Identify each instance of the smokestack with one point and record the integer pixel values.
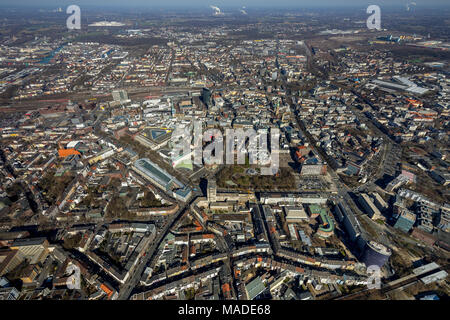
(217, 11)
(409, 5)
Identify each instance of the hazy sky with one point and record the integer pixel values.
(223, 3)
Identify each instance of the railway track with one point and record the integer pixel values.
(393, 285)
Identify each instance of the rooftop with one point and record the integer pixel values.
(254, 288)
(155, 172)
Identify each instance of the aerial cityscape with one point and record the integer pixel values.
(224, 150)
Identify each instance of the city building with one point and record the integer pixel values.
(405, 221)
(295, 214)
(9, 260)
(369, 207)
(35, 250)
(254, 288)
(375, 254)
(162, 179)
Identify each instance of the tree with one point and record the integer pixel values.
(149, 200)
(72, 241)
(115, 183)
(116, 207)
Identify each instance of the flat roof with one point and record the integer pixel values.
(378, 247)
(435, 277)
(28, 242)
(314, 208)
(408, 215)
(295, 212)
(425, 268)
(418, 90)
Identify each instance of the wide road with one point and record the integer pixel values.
(133, 281)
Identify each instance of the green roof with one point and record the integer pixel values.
(329, 224)
(326, 220)
(316, 209)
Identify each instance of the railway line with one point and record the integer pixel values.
(394, 285)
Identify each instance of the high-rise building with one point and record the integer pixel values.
(206, 96)
(405, 220)
(379, 202)
(34, 249)
(10, 293)
(10, 259)
(369, 207)
(375, 254)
